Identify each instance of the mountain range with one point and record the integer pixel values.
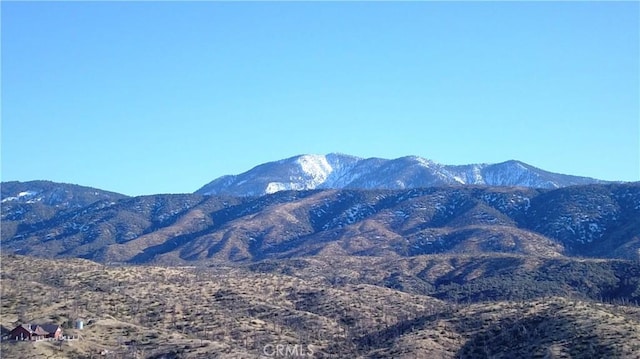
(362, 258)
(598, 220)
(339, 171)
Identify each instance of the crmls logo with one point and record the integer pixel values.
(287, 351)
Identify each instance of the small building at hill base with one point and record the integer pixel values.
(36, 332)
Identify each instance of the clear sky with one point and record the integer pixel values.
(162, 97)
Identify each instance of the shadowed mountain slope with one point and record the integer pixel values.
(591, 220)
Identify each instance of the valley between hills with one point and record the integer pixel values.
(429, 306)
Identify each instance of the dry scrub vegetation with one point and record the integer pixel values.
(233, 312)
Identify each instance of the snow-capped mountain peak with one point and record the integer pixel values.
(298, 173)
(334, 170)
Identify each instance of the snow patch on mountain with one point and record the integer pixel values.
(22, 196)
(273, 187)
(316, 167)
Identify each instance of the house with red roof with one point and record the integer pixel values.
(36, 332)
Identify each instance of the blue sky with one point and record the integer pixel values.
(161, 97)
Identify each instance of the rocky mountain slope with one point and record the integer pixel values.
(338, 171)
(592, 220)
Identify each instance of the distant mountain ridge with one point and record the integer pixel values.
(340, 171)
(27, 203)
(53, 193)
